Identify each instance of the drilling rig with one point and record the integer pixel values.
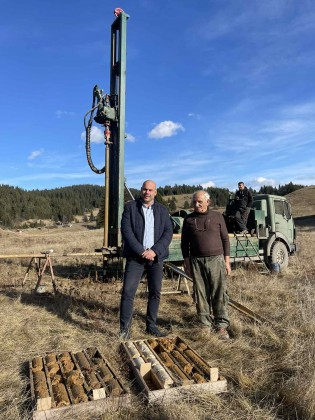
(108, 110)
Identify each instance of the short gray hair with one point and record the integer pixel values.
(205, 193)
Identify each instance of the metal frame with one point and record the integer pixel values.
(117, 148)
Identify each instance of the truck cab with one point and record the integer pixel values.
(272, 221)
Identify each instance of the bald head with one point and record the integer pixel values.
(148, 192)
(150, 181)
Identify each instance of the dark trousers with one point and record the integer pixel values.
(133, 272)
(241, 217)
(241, 225)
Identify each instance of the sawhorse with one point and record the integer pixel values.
(37, 260)
(181, 276)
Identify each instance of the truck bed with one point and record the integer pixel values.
(242, 248)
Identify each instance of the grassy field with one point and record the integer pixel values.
(269, 368)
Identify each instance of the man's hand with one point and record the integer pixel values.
(148, 254)
(228, 268)
(227, 265)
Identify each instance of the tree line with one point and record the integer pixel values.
(281, 189)
(63, 204)
(220, 196)
(59, 204)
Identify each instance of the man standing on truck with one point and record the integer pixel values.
(243, 202)
(206, 250)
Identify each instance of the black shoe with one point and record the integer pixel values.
(155, 331)
(124, 335)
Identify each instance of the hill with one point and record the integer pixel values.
(180, 199)
(303, 201)
(303, 207)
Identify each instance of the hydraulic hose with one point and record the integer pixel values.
(88, 128)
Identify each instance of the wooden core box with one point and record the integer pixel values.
(79, 382)
(166, 368)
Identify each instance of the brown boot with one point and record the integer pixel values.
(222, 334)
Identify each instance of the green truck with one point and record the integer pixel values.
(271, 238)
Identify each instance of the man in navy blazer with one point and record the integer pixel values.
(147, 232)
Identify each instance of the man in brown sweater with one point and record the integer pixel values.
(206, 251)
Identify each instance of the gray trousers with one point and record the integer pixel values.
(210, 281)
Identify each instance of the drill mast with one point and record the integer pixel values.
(110, 113)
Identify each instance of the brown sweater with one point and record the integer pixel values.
(204, 235)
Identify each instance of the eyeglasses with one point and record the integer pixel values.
(206, 225)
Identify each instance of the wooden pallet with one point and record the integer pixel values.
(99, 399)
(183, 380)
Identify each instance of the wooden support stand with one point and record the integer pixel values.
(37, 261)
(172, 290)
(179, 282)
(181, 277)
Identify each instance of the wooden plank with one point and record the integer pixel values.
(83, 410)
(22, 256)
(99, 393)
(43, 404)
(214, 374)
(82, 254)
(144, 369)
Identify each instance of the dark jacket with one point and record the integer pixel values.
(132, 230)
(244, 198)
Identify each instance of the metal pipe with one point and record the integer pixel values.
(105, 239)
(238, 306)
(107, 180)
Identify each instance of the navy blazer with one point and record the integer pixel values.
(132, 230)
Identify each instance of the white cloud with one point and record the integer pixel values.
(35, 154)
(288, 126)
(305, 110)
(193, 115)
(130, 138)
(208, 184)
(265, 181)
(61, 113)
(165, 129)
(97, 135)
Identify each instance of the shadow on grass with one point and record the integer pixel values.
(305, 222)
(27, 405)
(62, 305)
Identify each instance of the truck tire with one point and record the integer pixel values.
(279, 255)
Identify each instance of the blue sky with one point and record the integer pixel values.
(217, 91)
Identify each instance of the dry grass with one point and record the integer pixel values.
(303, 201)
(270, 368)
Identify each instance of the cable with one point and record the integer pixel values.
(88, 129)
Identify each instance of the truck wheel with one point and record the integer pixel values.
(279, 255)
